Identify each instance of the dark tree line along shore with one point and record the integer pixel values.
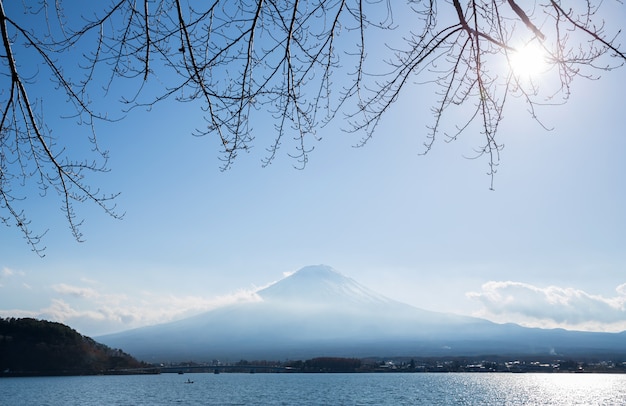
(38, 347)
(30, 347)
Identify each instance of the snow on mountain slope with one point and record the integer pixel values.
(319, 312)
(320, 284)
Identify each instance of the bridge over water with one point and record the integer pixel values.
(181, 369)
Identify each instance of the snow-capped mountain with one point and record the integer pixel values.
(319, 312)
(321, 284)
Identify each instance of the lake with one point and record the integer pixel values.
(318, 389)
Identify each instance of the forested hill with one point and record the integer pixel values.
(37, 347)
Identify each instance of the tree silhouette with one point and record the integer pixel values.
(301, 63)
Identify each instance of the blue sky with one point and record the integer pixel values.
(545, 248)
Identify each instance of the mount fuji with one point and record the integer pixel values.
(319, 312)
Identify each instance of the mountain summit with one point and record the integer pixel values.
(320, 284)
(317, 311)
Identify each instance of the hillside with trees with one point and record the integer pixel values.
(37, 347)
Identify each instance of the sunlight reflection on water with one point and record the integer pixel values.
(319, 389)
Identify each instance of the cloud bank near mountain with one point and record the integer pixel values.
(551, 306)
(93, 309)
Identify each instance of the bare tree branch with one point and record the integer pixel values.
(299, 64)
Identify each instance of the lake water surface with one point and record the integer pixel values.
(318, 389)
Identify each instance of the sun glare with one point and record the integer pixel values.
(528, 61)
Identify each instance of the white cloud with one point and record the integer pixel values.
(18, 313)
(155, 308)
(551, 306)
(288, 273)
(98, 313)
(61, 311)
(87, 293)
(7, 272)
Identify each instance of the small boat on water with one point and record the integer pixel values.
(189, 381)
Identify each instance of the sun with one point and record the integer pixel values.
(528, 61)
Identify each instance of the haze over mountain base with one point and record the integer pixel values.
(319, 312)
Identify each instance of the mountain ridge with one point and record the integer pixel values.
(317, 311)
